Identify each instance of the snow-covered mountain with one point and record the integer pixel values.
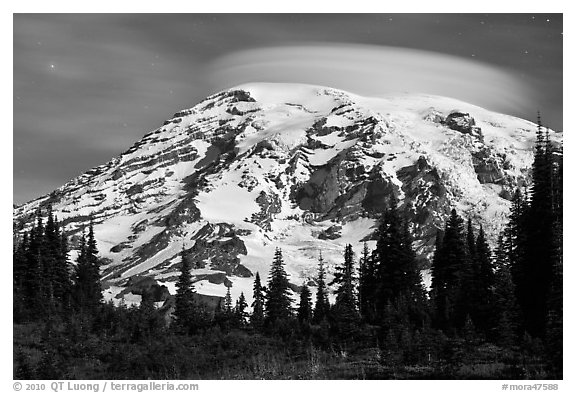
(300, 167)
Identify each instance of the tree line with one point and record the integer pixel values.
(45, 282)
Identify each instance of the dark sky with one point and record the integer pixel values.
(87, 86)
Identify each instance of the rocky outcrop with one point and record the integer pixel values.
(426, 204)
(222, 253)
(332, 233)
(145, 286)
(270, 205)
(462, 122)
(489, 167)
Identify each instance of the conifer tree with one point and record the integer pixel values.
(94, 263)
(63, 270)
(50, 256)
(482, 309)
(305, 306)
(537, 263)
(505, 307)
(449, 261)
(32, 281)
(228, 302)
(240, 313)
(484, 261)
(533, 262)
(470, 239)
(57, 266)
(554, 325)
(88, 287)
(185, 308)
(363, 276)
(345, 310)
(389, 257)
(257, 317)
(19, 263)
(322, 306)
(225, 316)
(278, 302)
(395, 267)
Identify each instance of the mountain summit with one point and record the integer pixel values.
(300, 167)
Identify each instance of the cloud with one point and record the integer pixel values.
(376, 70)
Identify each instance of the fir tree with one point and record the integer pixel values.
(554, 325)
(240, 313)
(19, 263)
(278, 302)
(19, 271)
(364, 274)
(396, 271)
(32, 280)
(228, 302)
(322, 306)
(50, 256)
(257, 317)
(389, 256)
(305, 306)
(485, 281)
(185, 308)
(345, 310)
(505, 307)
(63, 270)
(536, 265)
(88, 287)
(58, 266)
(224, 315)
(94, 263)
(450, 261)
(470, 239)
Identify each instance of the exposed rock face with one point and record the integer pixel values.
(463, 123)
(270, 205)
(489, 167)
(146, 286)
(423, 186)
(331, 233)
(223, 254)
(303, 168)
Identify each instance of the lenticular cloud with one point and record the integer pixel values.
(375, 70)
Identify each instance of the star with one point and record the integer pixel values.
(52, 66)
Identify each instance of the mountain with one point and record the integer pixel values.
(300, 167)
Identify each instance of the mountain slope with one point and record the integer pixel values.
(293, 166)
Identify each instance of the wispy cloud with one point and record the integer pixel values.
(375, 70)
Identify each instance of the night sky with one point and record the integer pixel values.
(86, 87)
